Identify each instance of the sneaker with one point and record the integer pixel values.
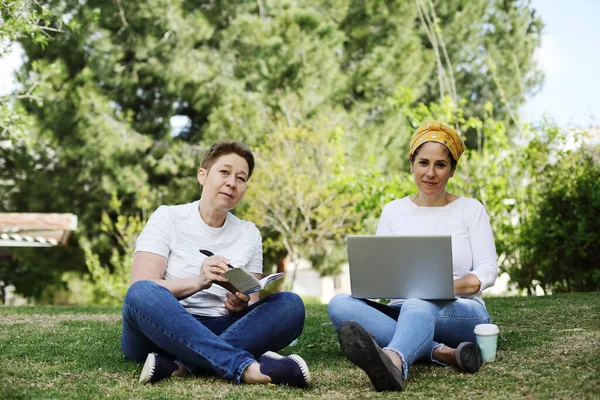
(468, 357)
(156, 368)
(360, 348)
(291, 370)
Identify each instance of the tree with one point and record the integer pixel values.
(490, 47)
(27, 19)
(296, 191)
(470, 52)
(111, 81)
(22, 155)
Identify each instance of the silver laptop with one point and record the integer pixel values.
(395, 267)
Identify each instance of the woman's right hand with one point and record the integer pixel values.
(211, 271)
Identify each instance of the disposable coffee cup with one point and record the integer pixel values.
(487, 340)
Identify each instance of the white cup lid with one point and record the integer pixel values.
(486, 329)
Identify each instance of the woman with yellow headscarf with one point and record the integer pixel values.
(385, 340)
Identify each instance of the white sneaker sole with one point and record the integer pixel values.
(148, 369)
(272, 354)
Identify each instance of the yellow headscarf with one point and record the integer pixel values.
(434, 131)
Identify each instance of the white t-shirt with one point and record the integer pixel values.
(465, 219)
(179, 233)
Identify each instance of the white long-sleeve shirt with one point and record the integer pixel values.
(465, 219)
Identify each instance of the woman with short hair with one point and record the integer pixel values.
(177, 319)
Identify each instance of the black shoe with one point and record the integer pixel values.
(156, 368)
(468, 357)
(291, 370)
(360, 348)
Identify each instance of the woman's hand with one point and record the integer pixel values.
(236, 302)
(211, 271)
(468, 284)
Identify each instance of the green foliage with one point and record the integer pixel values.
(103, 79)
(541, 198)
(563, 235)
(495, 40)
(29, 273)
(27, 20)
(295, 191)
(108, 283)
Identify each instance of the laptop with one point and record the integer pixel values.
(399, 267)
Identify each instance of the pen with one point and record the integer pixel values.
(209, 254)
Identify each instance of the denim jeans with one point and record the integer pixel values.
(154, 321)
(416, 327)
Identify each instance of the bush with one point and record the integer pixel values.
(107, 284)
(564, 235)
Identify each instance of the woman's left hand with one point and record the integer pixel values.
(467, 285)
(236, 302)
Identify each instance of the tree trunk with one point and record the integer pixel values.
(294, 260)
(281, 265)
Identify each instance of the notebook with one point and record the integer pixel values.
(396, 267)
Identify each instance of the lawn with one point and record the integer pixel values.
(548, 348)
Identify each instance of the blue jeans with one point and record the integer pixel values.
(416, 327)
(154, 321)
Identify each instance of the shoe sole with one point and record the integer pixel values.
(273, 355)
(297, 359)
(360, 348)
(471, 360)
(148, 369)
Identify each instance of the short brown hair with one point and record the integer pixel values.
(229, 147)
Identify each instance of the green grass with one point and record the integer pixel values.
(548, 348)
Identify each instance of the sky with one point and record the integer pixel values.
(569, 56)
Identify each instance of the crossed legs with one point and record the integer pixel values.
(417, 329)
(154, 321)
